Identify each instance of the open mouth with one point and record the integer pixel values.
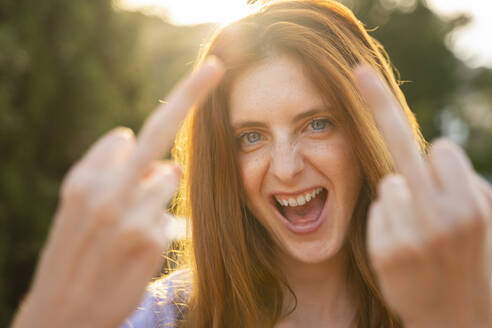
(303, 213)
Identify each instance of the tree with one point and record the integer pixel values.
(69, 70)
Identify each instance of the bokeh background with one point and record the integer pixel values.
(71, 70)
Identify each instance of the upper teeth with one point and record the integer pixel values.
(300, 199)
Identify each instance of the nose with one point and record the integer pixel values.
(286, 162)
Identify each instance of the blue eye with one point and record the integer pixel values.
(319, 124)
(251, 137)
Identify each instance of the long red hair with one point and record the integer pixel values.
(236, 282)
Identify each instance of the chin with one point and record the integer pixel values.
(312, 251)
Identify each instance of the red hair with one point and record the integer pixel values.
(235, 280)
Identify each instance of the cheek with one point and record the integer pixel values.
(253, 168)
(335, 160)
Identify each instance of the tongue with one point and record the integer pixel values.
(305, 213)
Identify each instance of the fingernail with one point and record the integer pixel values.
(124, 132)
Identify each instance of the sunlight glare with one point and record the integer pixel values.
(471, 43)
(184, 12)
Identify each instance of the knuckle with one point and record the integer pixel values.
(140, 237)
(152, 245)
(476, 226)
(441, 239)
(469, 218)
(388, 183)
(465, 211)
(104, 213)
(394, 186)
(398, 258)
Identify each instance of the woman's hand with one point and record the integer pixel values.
(427, 231)
(109, 230)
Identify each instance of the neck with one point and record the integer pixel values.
(321, 289)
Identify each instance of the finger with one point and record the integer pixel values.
(174, 227)
(377, 233)
(150, 174)
(161, 183)
(452, 170)
(144, 226)
(396, 203)
(395, 131)
(158, 132)
(155, 192)
(87, 178)
(456, 177)
(486, 189)
(484, 186)
(466, 202)
(109, 150)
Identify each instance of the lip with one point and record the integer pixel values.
(295, 193)
(309, 227)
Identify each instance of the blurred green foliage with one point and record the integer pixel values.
(71, 70)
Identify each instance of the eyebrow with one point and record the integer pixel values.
(297, 118)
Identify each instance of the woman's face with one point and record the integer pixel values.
(300, 175)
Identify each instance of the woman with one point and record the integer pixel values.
(285, 172)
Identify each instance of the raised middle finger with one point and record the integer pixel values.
(396, 132)
(159, 130)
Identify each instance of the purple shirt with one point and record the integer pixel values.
(157, 308)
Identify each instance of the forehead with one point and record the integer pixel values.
(276, 86)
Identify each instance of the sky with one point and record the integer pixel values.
(473, 43)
